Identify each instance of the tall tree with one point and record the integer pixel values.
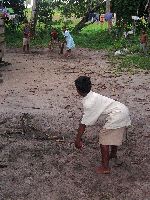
(107, 5)
(80, 9)
(147, 7)
(126, 8)
(45, 11)
(34, 16)
(42, 11)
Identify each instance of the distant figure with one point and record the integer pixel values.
(117, 121)
(93, 17)
(69, 41)
(102, 20)
(143, 41)
(108, 18)
(54, 38)
(26, 37)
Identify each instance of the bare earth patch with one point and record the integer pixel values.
(39, 114)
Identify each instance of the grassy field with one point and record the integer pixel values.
(96, 37)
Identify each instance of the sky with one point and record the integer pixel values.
(30, 5)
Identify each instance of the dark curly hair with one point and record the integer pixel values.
(83, 84)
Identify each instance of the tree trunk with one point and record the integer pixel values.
(149, 13)
(83, 21)
(108, 10)
(81, 24)
(34, 16)
(107, 6)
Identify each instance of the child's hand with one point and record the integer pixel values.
(78, 143)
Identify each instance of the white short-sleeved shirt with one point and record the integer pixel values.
(95, 105)
(69, 40)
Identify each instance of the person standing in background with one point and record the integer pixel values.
(26, 37)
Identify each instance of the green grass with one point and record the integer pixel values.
(135, 61)
(94, 37)
(15, 39)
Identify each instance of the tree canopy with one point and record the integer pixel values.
(45, 11)
(126, 8)
(17, 5)
(80, 9)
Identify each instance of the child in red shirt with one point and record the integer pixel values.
(143, 41)
(54, 38)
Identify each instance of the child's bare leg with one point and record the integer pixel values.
(113, 153)
(104, 168)
(24, 48)
(50, 46)
(113, 156)
(105, 155)
(61, 46)
(68, 53)
(28, 47)
(145, 49)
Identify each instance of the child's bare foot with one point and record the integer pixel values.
(102, 170)
(115, 162)
(67, 55)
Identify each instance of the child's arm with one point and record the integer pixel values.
(78, 140)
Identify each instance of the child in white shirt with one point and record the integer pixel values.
(117, 121)
(69, 41)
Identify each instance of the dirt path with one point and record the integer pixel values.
(39, 112)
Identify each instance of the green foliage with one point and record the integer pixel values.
(93, 37)
(131, 62)
(17, 6)
(79, 7)
(127, 8)
(13, 39)
(45, 12)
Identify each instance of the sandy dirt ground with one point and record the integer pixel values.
(39, 114)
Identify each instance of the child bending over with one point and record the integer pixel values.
(54, 38)
(117, 121)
